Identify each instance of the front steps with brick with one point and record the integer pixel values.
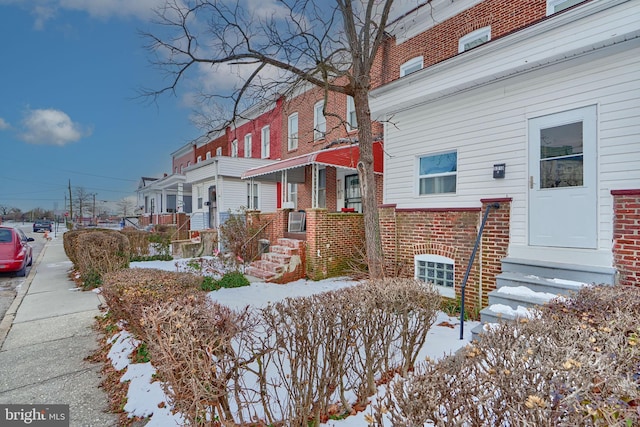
(525, 284)
(283, 263)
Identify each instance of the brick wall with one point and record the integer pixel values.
(626, 235)
(441, 41)
(212, 146)
(450, 233)
(333, 240)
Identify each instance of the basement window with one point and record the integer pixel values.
(438, 270)
(474, 38)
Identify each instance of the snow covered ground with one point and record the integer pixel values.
(146, 398)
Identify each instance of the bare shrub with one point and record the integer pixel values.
(235, 232)
(138, 241)
(98, 253)
(127, 292)
(577, 364)
(332, 344)
(190, 342)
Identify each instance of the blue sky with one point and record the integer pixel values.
(70, 73)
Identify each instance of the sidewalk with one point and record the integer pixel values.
(49, 333)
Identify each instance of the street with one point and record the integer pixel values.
(9, 283)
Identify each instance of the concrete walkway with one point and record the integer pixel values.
(45, 337)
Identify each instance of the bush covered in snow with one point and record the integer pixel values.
(578, 364)
(297, 360)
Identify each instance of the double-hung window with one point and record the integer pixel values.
(234, 148)
(219, 151)
(252, 196)
(474, 38)
(322, 188)
(293, 131)
(437, 173)
(412, 65)
(265, 136)
(319, 121)
(247, 145)
(352, 121)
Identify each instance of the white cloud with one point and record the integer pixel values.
(109, 8)
(50, 127)
(3, 124)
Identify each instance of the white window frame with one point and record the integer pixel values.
(253, 195)
(219, 151)
(319, 121)
(248, 145)
(442, 261)
(292, 132)
(265, 143)
(435, 175)
(555, 6)
(292, 194)
(208, 155)
(352, 121)
(199, 159)
(234, 148)
(473, 36)
(411, 66)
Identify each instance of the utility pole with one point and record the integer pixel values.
(93, 219)
(70, 203)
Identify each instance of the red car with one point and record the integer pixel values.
(16, 254)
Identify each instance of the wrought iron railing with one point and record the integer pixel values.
(251, 249)
(463, 287)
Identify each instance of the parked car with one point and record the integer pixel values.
(16, 254)
(42, 225)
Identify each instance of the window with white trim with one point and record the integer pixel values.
(247, 145)
(199, 159)
(219, 151)
(252, 196)
(438, 270)
(352, 120)
(234, 148)
(554, 6)
(208, 154)
(199, 197)
(292, 194)
(319, 121)
(292, 134)
(437, 173)
(411, 66)
(474, 38)
(322, 188)
(265, 137)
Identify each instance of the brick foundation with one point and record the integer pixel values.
(626, 235)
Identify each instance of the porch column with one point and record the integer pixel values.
(314, 186)
(163, 202)
(180, 198)
(284, 188)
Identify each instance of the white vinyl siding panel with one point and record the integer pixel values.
(488, 125)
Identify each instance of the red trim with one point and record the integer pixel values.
(625, 192)
(499, 200)
(345, 156)
(388, 205)
(438, 210)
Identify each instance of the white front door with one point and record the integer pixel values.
(562, 179)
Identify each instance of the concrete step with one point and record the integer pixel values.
(273, 267)
(259, 273)
(497, 313)
(276, 257)
(284, 250)
(573, 272)
(290, 243)
(537, 283)
(514, 296)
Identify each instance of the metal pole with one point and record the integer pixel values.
(473, 255)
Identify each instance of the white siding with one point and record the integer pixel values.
(488, 125)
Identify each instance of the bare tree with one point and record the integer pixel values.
(276, 48)
(126, 207)
(82, 200)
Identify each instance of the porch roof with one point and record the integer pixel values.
(345, 157)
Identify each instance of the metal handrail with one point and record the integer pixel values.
(255, 235)
(463, 287)
(177, 232)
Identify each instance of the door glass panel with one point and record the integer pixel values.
(561, 156)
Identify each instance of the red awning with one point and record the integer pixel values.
(341, 157)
